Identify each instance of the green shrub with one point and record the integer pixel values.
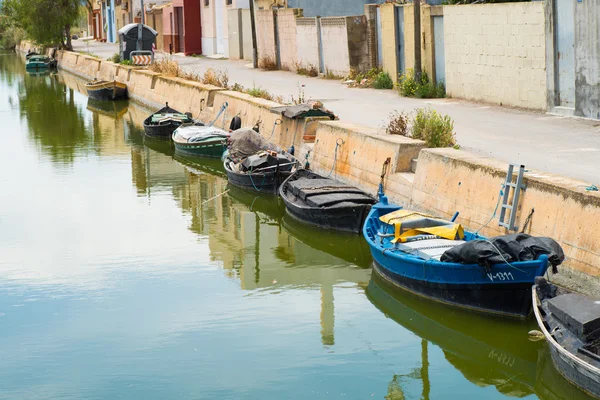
(435, 129)
(116, 58)
(126, 62)
(424, 88)
(383, 80)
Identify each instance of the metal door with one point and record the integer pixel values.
(378, 33)
(438, 48)
(565, 55)
(179, 15)
(399, 23)
(219, 18)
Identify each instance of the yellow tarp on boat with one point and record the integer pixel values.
(409, 224)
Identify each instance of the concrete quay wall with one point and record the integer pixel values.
(445, 180)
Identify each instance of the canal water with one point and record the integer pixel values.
(125, 272)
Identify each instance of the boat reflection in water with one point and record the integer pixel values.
(487, 351)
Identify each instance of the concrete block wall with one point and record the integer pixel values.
(336, 55)
(234, 18)
(247, 46)
(307, 42)
(286, 29)
(587, 59)
(388, 39)
(496, 53)
(265, 36)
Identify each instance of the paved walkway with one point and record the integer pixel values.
(564, 146)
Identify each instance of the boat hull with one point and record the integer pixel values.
(164, 130)
(264, 183)
(501, 289)
(580, 373)
(344, 213)
(209, 149)
(107, 91)
(347, 219)
(509, 300)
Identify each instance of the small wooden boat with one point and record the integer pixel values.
(262, 172)
(164, 122)
(411, 250)
(106, 90)
(39, 63)
(570, 323)
(326, 203)
(200, 141)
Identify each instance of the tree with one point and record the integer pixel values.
(45, 21)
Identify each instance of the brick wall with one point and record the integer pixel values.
(358, 45)
(265, 36)
(286, 27)
(371, 14)
(496, 53)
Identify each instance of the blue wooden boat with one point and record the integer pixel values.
(502, 289)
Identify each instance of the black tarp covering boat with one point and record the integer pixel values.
(252, 163)
(570, 323)
(324, 202)
(300, 111)
(164, 122)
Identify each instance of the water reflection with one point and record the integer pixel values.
(142, 256)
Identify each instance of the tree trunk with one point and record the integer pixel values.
(69, 45)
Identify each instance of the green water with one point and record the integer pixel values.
(125, 273)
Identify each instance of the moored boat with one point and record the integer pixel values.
(570, 323)
(439, 260)
(106, 90)
(200, 141)
(39, 63)
(252, 163)
(164, 122)
(326, 203)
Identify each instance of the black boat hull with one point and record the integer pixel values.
(264, 183)
(508, 300)
(163, 131)
(107, 94)
(340, 207)
(347, 219)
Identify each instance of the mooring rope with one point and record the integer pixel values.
(277, 122)
(223, 108)
(500, 194)
(338, 143)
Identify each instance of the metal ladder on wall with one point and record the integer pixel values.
(516, 188)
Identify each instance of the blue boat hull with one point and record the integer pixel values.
(511, 299)
(503, 290)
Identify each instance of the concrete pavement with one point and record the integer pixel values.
(564, 146)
